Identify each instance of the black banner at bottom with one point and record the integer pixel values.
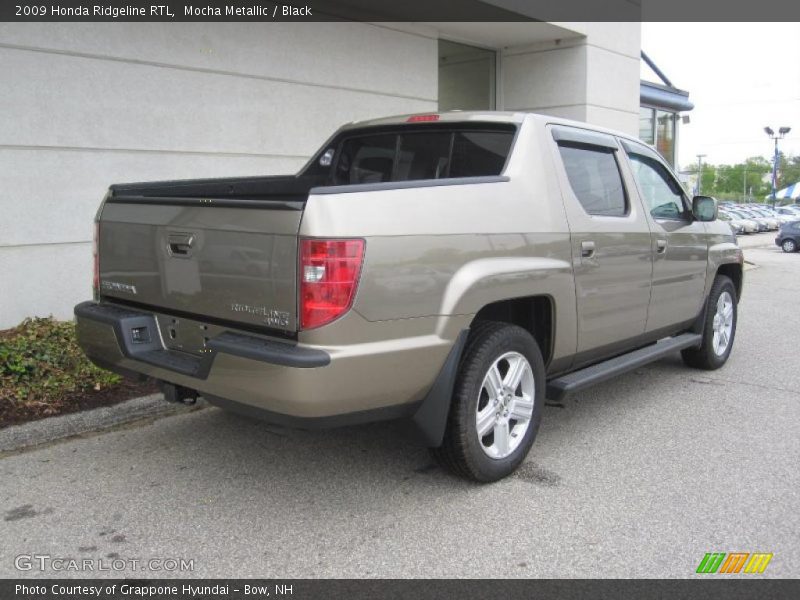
(422, 589)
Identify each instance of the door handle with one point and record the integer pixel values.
(587, 249)
(661, 246)
(179, 245)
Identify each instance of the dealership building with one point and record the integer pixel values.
(89, 104)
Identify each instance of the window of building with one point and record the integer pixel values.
(595, 179)
(466, 77)
(647, 132)
(665, 135)
(658, 128)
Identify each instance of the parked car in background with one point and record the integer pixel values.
(790, 212)
(760, 222)
(780, 218)
(772, 220)
(749, 225)
(788, 237)
(737, 225)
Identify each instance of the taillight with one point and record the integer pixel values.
(329, 272)
(96, 260)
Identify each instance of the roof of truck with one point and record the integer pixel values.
(451, 116)
(461, 116)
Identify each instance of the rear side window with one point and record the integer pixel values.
(404, 155)
(595, 179)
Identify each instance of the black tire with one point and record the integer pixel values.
(462, 450)
(705, 357)
(789, 245)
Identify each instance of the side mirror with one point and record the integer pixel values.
(704, 208)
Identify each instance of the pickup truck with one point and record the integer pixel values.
(450, 269)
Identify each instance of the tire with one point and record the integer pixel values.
(789, 245)
(712, 354)
(493, 346)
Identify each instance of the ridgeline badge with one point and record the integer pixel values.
(272, 317)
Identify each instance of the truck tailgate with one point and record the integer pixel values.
(227, 259)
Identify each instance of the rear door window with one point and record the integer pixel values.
(595, 179)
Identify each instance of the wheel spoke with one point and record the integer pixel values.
(523, 409)
(486, 419)
(516, 369)
(493, 383)
(723, 340)
(502, 438)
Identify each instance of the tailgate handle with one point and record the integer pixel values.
(180, 245)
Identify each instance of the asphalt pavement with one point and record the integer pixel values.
(637, 477)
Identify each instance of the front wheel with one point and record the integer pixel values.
(719, 329)
(497, 403)
(789, 246)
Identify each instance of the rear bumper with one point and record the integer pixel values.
(279, 381)
(150, 350)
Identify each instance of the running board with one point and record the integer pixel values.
(578, 380)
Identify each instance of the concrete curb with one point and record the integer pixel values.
(52, 429)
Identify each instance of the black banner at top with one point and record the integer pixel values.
(399, 10)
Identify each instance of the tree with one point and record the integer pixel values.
(788, 170)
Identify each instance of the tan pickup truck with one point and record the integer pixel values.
(451, 269)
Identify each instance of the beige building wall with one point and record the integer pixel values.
(86, 105)
(591, 74)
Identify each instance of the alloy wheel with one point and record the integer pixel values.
(723, 323)
(505, 405)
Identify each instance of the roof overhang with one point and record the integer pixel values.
(662, 96)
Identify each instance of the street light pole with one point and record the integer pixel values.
(775, 136)
(700, 172)
(744, 184)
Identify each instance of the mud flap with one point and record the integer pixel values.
(430, 420)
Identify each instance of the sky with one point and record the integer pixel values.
(741, 77)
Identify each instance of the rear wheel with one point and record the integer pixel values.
(496, 405)
(789, 245)
(719, 329)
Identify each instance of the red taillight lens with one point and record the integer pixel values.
(96, 260)
(329, 272)
(422, 118)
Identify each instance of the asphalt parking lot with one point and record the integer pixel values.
(638, 477)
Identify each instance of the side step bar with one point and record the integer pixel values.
(578, 380)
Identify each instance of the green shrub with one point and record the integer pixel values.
(41, 364)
